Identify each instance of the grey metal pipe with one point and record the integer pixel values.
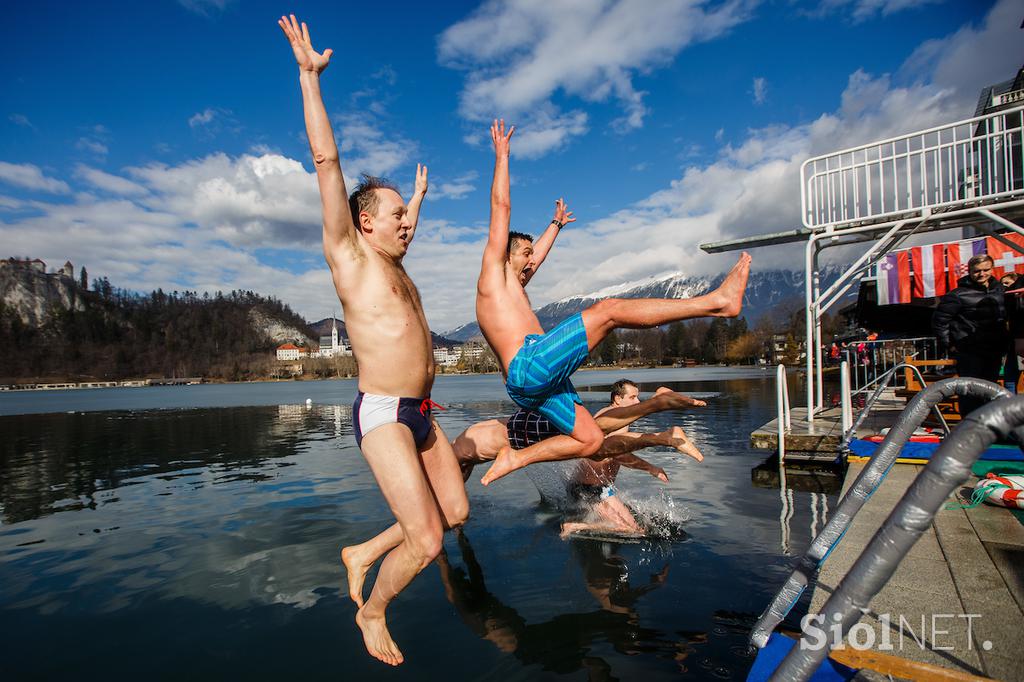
(948, 469)
(869, 479)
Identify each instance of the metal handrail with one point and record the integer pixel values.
(782, 408)
(883, 382)
(924, 171)
(867, 482)
(948, 469)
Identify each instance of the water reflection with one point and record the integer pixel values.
(564, 644)
(818, 479)
(217, 531)
(68, 462)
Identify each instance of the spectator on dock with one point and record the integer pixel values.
(1014, 284)
(970, 324)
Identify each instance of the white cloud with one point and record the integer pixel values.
(456, 188)
(92, 146)
(211, 122)
(114, 184)
(760, 90)
(29, 176)
(519, 54)
(21, 120)
(206, 223)
(753, 187)
(201, 118)
(862, 10)
(205, 7)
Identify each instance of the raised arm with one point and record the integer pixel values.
(340, 236)
(543, 245)
(418, 194)
(501, 201)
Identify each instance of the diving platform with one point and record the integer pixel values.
(820, 439)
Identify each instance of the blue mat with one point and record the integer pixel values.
(769, 658)
(1002, 453)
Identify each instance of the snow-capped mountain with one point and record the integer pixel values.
(765, 289)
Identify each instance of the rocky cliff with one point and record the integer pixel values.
(33, 294)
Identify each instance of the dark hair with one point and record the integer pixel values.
(513, 239)
(979, 259)
(619, 388)
(365, 197)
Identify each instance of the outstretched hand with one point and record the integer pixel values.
(298, 36)
(421, 180)
(500, 138)
(563, 216)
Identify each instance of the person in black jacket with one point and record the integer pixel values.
(970, 323)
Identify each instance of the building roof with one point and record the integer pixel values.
(288, 346)
(990, 91)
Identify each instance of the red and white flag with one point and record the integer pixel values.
(1006, 259)
(957, 255)
(929, 270)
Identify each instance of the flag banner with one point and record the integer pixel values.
(894, 278)
(929, 270)
(957, 255)
(1005, 259)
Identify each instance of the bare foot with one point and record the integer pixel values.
(684, 444)
(676, 401)
(577, 527)
(504, 464)
(356, 567)
(729, 294)
(570, 528)
(377, 639)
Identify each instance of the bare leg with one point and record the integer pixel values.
(586, 439)
(641, 313)
(615, 518)
(392, 456)
(449, 491)
(664, 399)
(568, 447)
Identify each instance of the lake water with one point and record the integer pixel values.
(181, 532)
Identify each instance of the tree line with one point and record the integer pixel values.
(120, 334)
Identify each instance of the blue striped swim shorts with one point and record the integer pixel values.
(538, 376)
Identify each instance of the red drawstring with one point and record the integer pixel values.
(427, 405)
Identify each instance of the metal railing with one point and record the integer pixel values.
(975, 160)
(871, 359)
(782, 409)
(948, 469)
(867, 482)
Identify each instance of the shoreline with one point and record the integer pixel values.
(36, 385)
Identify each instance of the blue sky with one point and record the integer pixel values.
(161, 144)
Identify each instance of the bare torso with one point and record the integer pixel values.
(504, 313)
(386, 326)
(599, 471)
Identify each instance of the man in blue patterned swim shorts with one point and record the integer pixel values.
(538, 365)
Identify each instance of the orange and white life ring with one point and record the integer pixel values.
(1004, 491)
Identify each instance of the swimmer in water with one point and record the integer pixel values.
(593, 483)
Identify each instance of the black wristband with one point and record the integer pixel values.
(558, 224)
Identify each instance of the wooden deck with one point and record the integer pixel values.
(964, 578)
(821, 438)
